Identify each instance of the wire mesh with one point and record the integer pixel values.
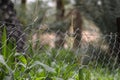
(94, 51)
(50, 53)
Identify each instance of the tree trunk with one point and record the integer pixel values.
(77, 28)
(60, 10)
(14, 28)
(77, 25)
(118, 39)
(23, 1)
(23, 5)
(59, 18)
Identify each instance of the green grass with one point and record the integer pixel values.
(48, 64)
(45, 64)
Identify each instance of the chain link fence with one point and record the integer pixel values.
(44, 49)
(97, 54)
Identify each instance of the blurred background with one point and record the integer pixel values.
(60, 39)
(102, 13)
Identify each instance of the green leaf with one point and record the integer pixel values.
(22, 59)
(81, 76)
(2, 60)
(4, 43)
(4, 63)
(46, 67)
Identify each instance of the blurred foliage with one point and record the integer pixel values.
(102, 12)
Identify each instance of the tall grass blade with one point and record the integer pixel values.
(81, 76)
(4, 43)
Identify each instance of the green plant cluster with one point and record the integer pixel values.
(53, 64)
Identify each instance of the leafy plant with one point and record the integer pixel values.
(43, 64)
(4, 43)
(6, 57)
